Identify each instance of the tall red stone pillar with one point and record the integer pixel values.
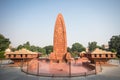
(60, 53)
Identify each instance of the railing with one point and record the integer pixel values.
(68, 73)
(24, 66)
(62, 75)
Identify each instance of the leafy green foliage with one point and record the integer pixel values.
(4, 44)
(69, 49)
(37, 49)
(26, 45)
(31, 48)
(2, 54)
(20, 47)
(92, 46)
(48, 49)
(76, 49)
(13, 49)
(114, 44)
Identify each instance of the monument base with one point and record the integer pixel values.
(57, 59)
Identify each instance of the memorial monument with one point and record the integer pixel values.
(60, 53)
(61, 63)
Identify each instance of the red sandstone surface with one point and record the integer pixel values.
(55, 68)
(60, 41)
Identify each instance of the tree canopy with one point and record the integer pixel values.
(114, 44)
(4, 44)
(48, 49)
(92, 46)
(77, 47)
(31, 47)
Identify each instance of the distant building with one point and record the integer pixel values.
(19, 55)
(82, 54)
(100, 56)
(83, 58)
(105, 46)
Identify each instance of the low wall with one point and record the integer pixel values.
(37, 67)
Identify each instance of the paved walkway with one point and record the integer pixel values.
(14, 73)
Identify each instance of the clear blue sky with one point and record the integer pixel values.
(34, 20)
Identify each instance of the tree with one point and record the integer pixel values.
(42, 50)
(48, 49)
(69, 49)
(92, 46)
(114, 44)
(4, 44)
(33, 48)
(77, 48)
(19, 47)
(27, 45)
(39, 49)
(13, 49)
